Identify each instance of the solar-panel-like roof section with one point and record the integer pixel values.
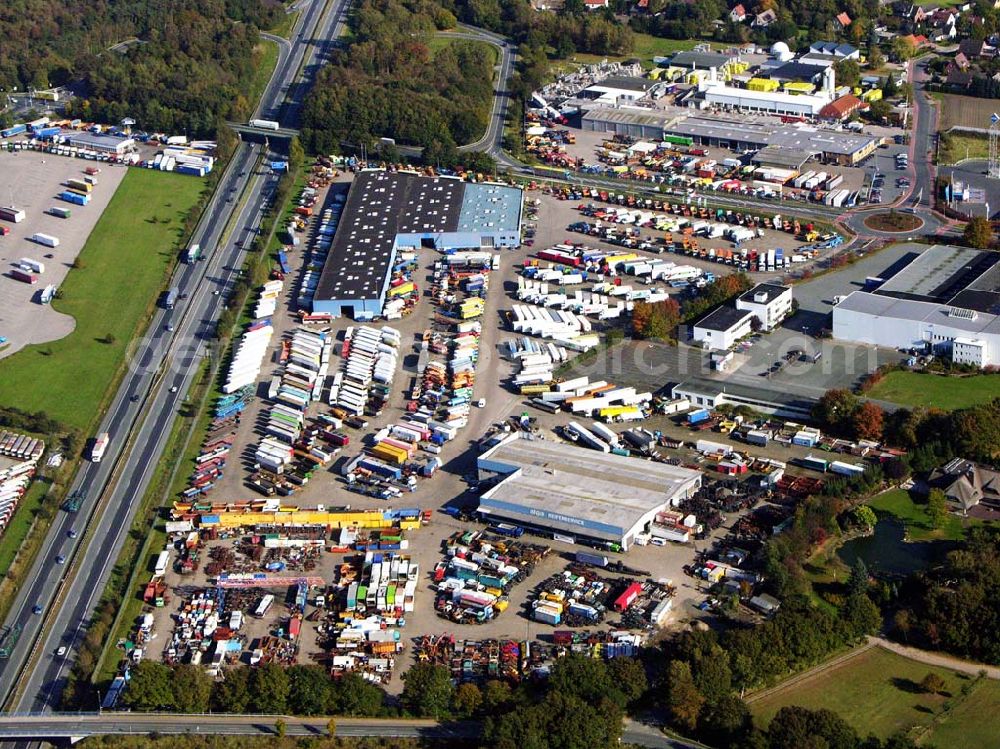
(381, 205)
(490, 208)
(949, 275)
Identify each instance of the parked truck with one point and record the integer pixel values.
(60, 212)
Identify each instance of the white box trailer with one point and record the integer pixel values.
(45, 239)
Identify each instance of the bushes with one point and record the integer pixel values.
(273, 689)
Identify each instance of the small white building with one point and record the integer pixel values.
(969, 351)
(722, 328)
(769, 302)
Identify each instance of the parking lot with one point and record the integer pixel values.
(31, 181)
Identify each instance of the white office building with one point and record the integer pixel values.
(769, 302)
(721, 328)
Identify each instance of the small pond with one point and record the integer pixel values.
(886, 551)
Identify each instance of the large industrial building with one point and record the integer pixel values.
(386, 212)
(946, 299)
(591, 497)
(736, 132)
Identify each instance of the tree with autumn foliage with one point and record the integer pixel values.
(869, 420)
(658, 320)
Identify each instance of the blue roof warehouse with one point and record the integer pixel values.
(386, 212)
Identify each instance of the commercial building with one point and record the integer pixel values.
(736, 132)
(592, 497)
(111, 144)
(705, 393)
(617, 90)
(770, 303)
(721, 328)
(946, 300)
(715, 93)
(386, 212)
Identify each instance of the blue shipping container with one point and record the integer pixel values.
(13, 130)
(74, 197)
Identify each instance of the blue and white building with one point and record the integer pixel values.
(577, 494)
(387, 212)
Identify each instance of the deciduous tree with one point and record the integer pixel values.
(978, 232)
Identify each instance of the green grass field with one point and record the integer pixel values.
(17, 530)
(124, 266)
(284, 26)
(956, 147)
(266, 59)
(646, 47)
(933, 391)
(973, 722)
(914, 516)
(877, 692)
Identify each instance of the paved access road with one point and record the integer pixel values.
(142, 413)
(75, 725)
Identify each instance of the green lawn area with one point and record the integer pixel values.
(437, 43)
(900, 505)
(646, 47)
(125, 263)
(17, 530)
(973, 722)
(876, 692)
(933, 391)
(955, 147)
(266, 55)
(284, 26)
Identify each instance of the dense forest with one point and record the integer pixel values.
(388, 83)
(191, 68)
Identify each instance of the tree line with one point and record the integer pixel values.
(930, 435)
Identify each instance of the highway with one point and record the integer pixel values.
(55, 726)
(143, 410)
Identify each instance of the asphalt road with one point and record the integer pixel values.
(73, 725)
(142, 413)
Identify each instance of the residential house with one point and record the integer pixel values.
(841, 109)
(842, 21)
(765, 19)
(959, 79)
(961, 61)
(967, 484)
(595, 4)
(973, 49)
(738, 14)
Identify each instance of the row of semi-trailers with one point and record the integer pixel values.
(370, 356)
(16, 478)
(306, 358)
(546, 322)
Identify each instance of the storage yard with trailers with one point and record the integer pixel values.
(49, 240)
(326, 415)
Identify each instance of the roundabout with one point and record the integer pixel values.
(893, 222)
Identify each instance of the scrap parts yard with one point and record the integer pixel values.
(371, 488)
